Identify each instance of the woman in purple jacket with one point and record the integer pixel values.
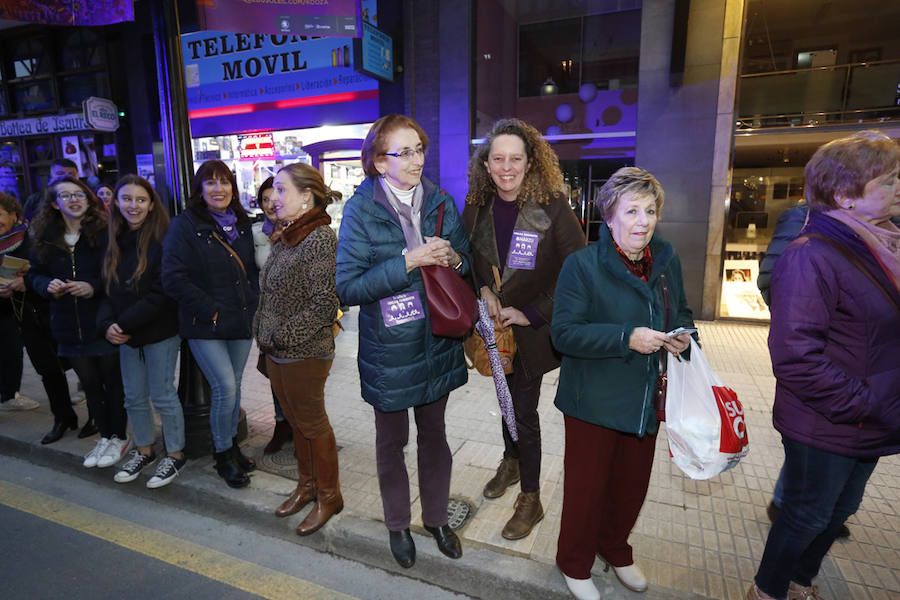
(835, 316)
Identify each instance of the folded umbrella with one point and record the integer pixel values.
(485, 327)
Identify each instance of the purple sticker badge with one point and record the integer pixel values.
(522, 250)
(401, 308)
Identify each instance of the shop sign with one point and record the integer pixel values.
(42, 125)
(100, 114)
(301, 17)
(256, 145)
(94, 12)
(374, 53)
(226, 73)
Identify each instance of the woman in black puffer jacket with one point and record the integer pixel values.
(209, 269)
(141, 320)
(69, 236)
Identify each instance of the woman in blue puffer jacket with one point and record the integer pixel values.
(386, 235)
(209, 269)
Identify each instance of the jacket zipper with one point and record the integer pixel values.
(641, 430)
(74, 298)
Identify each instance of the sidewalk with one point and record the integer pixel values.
(694, 539)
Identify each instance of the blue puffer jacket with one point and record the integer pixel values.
(404, 365)
(206, 281)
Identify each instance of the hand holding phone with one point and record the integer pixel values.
(680, 330)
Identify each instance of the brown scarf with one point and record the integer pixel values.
(296, 231)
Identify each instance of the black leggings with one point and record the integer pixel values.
(101, 379)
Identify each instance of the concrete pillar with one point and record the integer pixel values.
(685, 133)
(438, 82)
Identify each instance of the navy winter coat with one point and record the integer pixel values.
(141, 308)
(206, 281)
(404, 365)
(598, 303)
(73, 320)
(835, 346)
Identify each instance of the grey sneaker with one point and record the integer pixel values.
(132, 468)
(168, 469)
(18, 402)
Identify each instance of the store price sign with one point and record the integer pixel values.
(256, 145)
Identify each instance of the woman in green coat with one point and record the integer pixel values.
(614, 302)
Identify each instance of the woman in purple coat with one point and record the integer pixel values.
(835, 316)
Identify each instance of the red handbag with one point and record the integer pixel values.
(451, 301)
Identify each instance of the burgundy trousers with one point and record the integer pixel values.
(434, 460)
(607, 474)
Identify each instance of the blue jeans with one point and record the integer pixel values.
(778, 492)
(148, 373)
(821, 490)
(222, 363)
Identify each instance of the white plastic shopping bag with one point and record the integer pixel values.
(704, 418)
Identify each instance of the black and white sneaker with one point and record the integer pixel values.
(136, 463)
(167, 470)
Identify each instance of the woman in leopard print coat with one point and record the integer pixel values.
(293, 326)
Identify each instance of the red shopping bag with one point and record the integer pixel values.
(704, 418)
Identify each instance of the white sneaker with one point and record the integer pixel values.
(18, 402)
(90, 460)
(632, 578)
(114, 452)
(582, 589)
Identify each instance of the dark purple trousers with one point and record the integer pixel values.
(434, 460)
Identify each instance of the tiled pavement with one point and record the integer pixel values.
(694, 538)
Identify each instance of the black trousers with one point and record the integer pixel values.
(525, 394)
(101, 378)
(10, 355)
(41, 348)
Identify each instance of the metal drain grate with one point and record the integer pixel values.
(458, 513)
(282, 463)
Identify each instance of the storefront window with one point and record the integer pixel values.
(549, 58)
(758, 198)
(81, 50)
(75, 88)
(30, 58)
(11, 179)
(33, 96)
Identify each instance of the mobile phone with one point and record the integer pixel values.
(681, 330)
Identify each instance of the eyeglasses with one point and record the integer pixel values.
(69, 196)
(408, 154)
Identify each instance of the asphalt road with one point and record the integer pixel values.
(64, 537)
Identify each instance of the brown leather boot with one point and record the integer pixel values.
(328, 498)
(306, 481)
(507, 475)
(529, 513)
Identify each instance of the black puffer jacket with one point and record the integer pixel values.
(207, 280)
(73, 320)
(141, 308)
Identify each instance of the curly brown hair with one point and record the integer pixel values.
(543, 179)
(48, 227)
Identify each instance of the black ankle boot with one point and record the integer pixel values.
(403, 547)
(228, 469)
(59, 428)
(246, 463)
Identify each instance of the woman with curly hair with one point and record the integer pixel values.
(521, 228)
(70, 239)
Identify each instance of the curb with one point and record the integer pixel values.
(480, 573)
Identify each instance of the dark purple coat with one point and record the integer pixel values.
(835, 346)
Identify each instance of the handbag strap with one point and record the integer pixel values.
(856, 262)
(440, 220)
(496, 277)
(663, 359)
(231, 251)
